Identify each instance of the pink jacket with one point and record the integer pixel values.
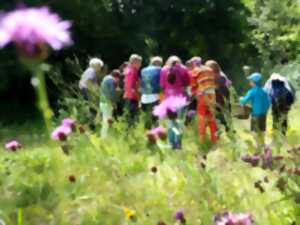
(182, 81)
(131, 83)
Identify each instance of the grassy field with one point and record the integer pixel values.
(123, 180)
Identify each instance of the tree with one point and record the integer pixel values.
(276, 32)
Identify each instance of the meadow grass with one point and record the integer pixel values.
(100, 178)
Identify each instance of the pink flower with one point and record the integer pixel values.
(160, 132)
(172, 104)
(32, 28)
(235, 219)
(13, 145)
(68, 122)
(61, 133)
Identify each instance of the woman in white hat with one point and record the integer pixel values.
(282, 95)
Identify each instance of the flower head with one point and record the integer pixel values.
(234, 219)
(31, 29)
(179, 215)
(171, 104)
(61, 133)
(68, 122)
(267, 158)
(13, 145)
(253, 160)
(151, 137)
(160, 132)
(129, 213)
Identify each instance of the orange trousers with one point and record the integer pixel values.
(206, 105)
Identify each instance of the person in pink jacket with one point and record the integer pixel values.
(174, 78)
(131, 88)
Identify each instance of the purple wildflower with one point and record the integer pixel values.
(234, 219)
(13, 145)
(267, 158)
(160, 132)
(171, 104)
(68, 122)
(151, 137)
(253, 160)
(31, 29)
(61, 133)
(191, 113)
(179, 215)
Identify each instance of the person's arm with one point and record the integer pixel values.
(162, 78)
(244, 100)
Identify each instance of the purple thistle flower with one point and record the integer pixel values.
(191, 113)
(68, 122)
(253, 160)
(179, 215)
(267, 158)
(235, 219)
(61, 133)
(13, 145)
(160, 132)
(171, 104)
(31, 29)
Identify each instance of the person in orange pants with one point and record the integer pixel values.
(203, 86)
(206, 113)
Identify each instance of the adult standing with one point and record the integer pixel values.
(282, 95)
(89, 81)
(131, 87)
(174, 78)
(89, 86)
(150, 88)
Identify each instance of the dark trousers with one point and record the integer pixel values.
(280, 120)
(223, 117)
(131, 111)
(149, 119)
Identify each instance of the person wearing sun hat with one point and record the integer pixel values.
(282, 95)
(260, 102)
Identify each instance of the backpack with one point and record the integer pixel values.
(281, 97)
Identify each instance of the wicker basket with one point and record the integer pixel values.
(241, 112)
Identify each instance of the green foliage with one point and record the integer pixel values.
(115, 173)
(276, 32)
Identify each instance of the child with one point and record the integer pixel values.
(108, 99)
(222, 95)
(259, 100)
(203, 87)
(169, 109)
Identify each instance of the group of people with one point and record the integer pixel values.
(203, 85)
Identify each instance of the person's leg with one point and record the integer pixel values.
(213, 127)
(106, 110)
(284, 122)
(133, 112)
(201, 110)
(258, 126)
(149, 119)
(211, 102)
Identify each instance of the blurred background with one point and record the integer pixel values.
(263, 34)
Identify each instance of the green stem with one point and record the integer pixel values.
(43, 103)
(20, 216)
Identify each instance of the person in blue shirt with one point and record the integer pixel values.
(150, 89)
(260, 102)
(108, 99)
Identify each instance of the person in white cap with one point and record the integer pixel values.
(282, 95)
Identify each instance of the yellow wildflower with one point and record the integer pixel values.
(129, 213)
